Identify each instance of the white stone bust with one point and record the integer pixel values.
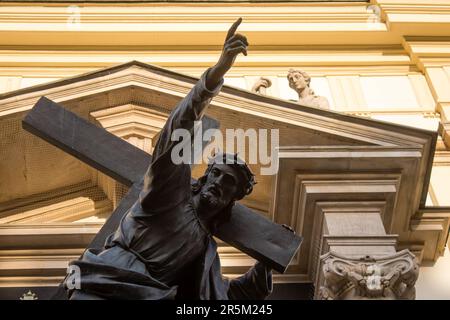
(299, 81)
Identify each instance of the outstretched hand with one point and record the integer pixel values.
(235, 44)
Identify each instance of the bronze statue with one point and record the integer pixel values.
(300, 81)
(163, 248)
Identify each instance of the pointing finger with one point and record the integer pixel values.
(233, 28)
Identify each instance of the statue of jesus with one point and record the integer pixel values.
(163, 247)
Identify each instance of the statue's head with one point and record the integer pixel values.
(298, 80)
(226, 180)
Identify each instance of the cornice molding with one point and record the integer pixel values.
(430, 227)
(416, 17)
(193, 25)
(428, 52)
(181, 2)
(131, 120)
(69, 235)
(142, 76)
(65, 205)
(204, 24)
(266, 57)
(218, 13)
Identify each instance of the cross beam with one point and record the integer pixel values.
(248, 231)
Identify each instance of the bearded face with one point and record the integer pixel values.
(220, 187)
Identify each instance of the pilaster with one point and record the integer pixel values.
(359, 260)
(432, 56)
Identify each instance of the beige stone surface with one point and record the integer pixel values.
(434, 280)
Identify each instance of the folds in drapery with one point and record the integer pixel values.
(118, 274)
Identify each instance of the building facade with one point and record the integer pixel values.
(364, 179)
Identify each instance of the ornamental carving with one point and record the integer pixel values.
(391, 277)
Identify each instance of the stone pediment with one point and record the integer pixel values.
(137, 85)
(325, 157)
(169, 87)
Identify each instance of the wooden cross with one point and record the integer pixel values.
(248, 231)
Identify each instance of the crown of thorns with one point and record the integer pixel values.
(234, 161)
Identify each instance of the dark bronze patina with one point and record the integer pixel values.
(160, 243)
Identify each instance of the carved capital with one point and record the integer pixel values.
(391, 277)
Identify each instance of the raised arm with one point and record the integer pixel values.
(166, 184)
(235, 43)
(193, 106)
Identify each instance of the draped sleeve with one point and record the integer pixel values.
(256, 284)
(167, 184)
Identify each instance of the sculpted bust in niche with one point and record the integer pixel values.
(299, 81)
